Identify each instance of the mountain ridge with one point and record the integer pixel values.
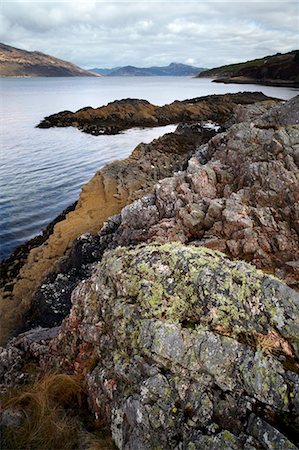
(173, 69)
(15, 62)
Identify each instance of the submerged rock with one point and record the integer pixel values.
(183, 348)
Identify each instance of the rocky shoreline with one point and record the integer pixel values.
(280, 70)
(120, 115)
(265, 82)
(142, 291)
(115, 186)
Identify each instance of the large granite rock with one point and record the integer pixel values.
(185, 349)
(238, 194)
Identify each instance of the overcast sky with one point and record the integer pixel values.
(143, 33)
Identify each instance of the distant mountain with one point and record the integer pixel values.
(173, 69)
(277, 70)
(15, 62)
(103, 71)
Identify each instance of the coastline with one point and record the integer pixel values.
(244, 80)
(160, 307)
(116, 185)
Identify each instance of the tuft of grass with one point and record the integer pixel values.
(50, 416)
(97, 441)
(46, 411)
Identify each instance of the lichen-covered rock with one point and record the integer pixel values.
(185, 349)
(240, 198)
(238, 194)
(111, 188)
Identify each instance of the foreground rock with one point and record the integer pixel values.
(123, 114)
(180, 347)
(238, 194)
(183, 349)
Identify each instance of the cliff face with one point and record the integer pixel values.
(277, 70)
(15, 62)
(181, 347)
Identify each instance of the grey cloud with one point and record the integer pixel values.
(96, 33)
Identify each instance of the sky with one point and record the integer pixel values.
(143, 33)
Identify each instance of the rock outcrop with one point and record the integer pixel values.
(116, 185)
(238, 194)
(123, 114)
(183, 349)
(180, 346)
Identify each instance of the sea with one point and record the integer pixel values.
(43, 170)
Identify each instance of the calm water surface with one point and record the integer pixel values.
(42, 171)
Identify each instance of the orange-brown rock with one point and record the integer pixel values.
(123, 114)
(117, 185)
(111, 188)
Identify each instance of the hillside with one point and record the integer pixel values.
(279, 70)
(173, 69)
(15, 62)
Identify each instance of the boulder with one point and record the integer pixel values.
(184, 349)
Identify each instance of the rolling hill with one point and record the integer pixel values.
(276, 70)
(15, 62)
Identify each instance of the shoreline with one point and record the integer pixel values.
(286, 84)
(173, 301)
(115, 186)
(10, 266)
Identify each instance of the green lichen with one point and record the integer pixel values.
(191, 285)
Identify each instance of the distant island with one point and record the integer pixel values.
(276, 70)
(173, 70)
(15, 62)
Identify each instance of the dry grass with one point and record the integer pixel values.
(51, 412)
(97, 441)
(47, 423)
